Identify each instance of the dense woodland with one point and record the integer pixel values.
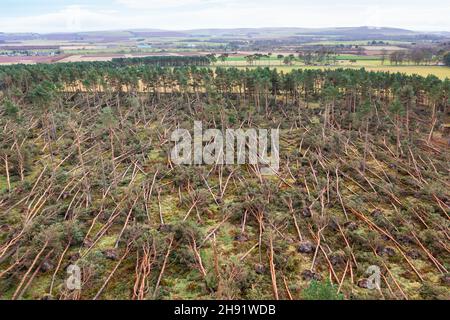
(86, 179)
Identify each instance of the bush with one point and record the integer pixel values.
(322, 291)
(10, 109)
(447, 59)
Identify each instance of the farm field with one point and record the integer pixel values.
(441, 72)
(358, 42)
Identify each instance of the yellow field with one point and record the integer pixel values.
(371, 65)
(438, 71)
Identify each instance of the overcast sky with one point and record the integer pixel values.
(85, 15)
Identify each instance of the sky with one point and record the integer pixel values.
(45, 16)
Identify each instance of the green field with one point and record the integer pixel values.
(356, 57)
(354, 43)
(276, 60)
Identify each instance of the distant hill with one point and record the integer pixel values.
(343, 33)
(99, 36)
(304, 31)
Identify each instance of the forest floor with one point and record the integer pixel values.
(107, 198)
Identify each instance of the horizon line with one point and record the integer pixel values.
(225, 28)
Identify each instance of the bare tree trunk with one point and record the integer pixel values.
(273, 274)
(7, 173)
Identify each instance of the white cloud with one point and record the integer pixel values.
(69, 19)
(157, 4)
(230, 14)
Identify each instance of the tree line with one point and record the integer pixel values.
(163, 61)
(261, 87)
